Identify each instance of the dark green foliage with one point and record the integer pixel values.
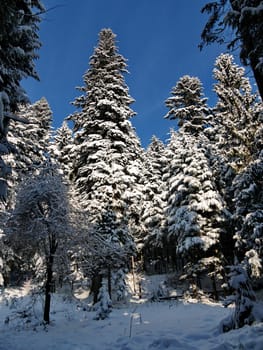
(19, 43)
(248, 197)
(245, 19)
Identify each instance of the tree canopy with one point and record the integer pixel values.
(244, 18)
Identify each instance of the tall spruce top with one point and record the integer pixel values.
(106, 93)
(106, 52)
(188, 105)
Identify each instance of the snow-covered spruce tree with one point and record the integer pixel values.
(120, 285)
(60, 148)
(31, 141)
(107, 169)
(153, 213)
(243, 297)
(187, 105)
(41, 218)
(234, 134)
(235, 119)
(32, 138)
(19, 43)
(248, 199)
(104, 305)
(194, 208)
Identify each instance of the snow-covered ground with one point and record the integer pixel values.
(138, 325)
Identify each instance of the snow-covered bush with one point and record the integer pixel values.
(162, 291)
(243, 297)
(120, 285)
(104, 305)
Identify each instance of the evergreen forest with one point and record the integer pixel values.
(86, 204)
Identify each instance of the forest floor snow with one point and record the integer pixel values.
(137, 325)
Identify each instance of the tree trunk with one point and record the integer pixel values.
(133, 273)
(214, 288)
(95, 287)
(49, 271)
(48, 289)
(109, 281)
(257, 75)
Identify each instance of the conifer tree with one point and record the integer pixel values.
(31, 141)
(19, 44)
(104, 306)
(195, 212)
(60, 148)
(187, 105)
(195, 208)
(248, 215)
(107, 168)
(243, 297)
(234, 135)
(235, 119)
(153, 214)
(244, 19)
(120, 285)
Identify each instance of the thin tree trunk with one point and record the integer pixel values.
(48, 290)
(257, 75)
(133, 273)
(95, 287)
(109, 281)
(50, 261)
(214, 288)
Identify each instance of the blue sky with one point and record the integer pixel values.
(158, 37)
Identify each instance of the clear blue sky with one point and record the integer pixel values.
(158, 37)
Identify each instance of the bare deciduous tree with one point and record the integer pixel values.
(40, 219)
